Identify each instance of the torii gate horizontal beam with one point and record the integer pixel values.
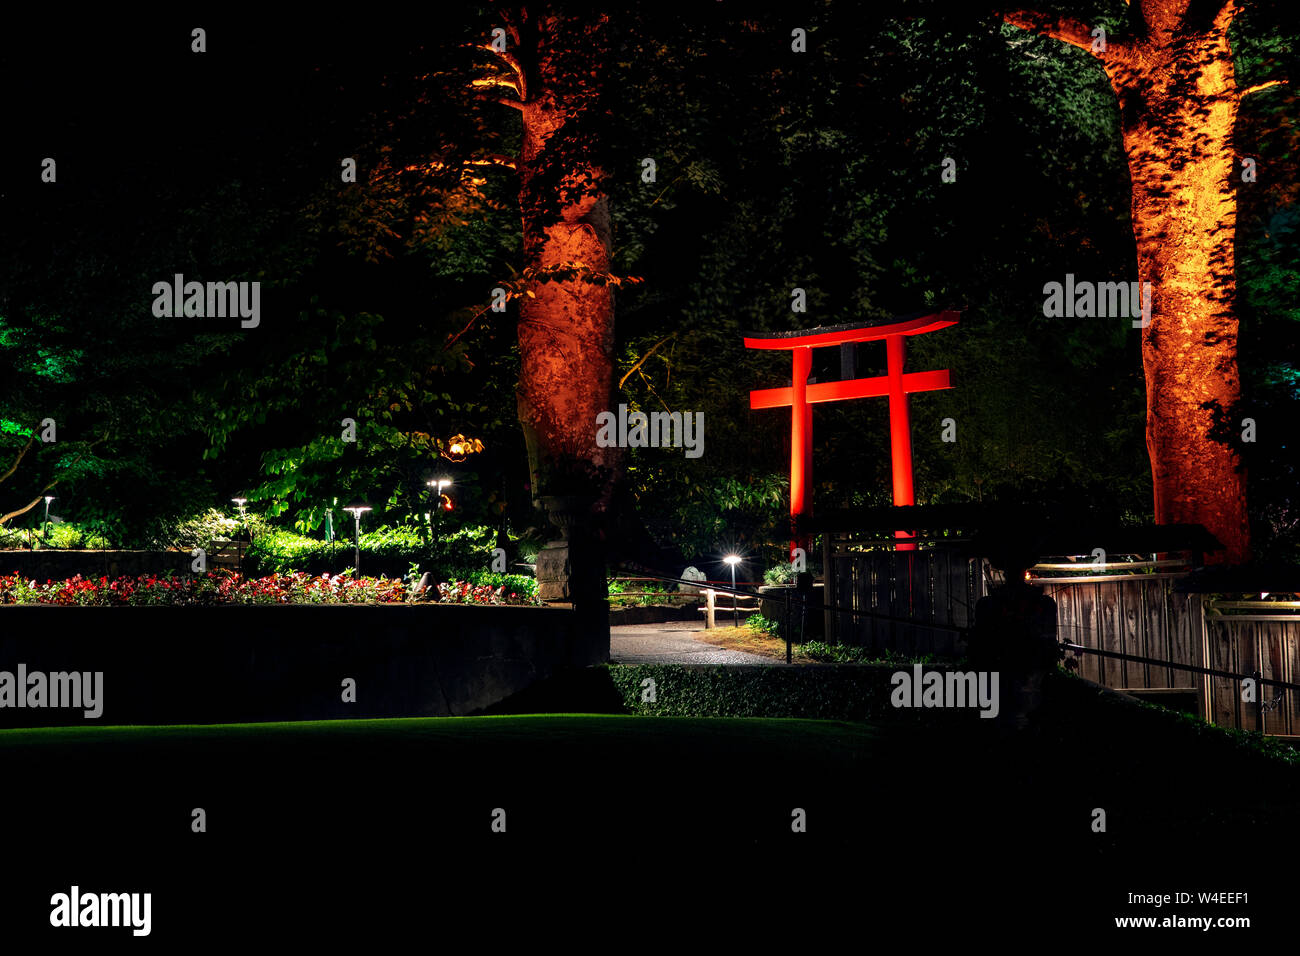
(877, 387)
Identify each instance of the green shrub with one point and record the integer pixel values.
(764, 625)
(824, 693)
(852, 654)
(460, 553)
(66, 534)
(521, 584)
(644, 593)
(781, 574)
(203, 530)
(69, 534)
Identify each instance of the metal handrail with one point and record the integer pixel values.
(1257, 677)
(1079, 648)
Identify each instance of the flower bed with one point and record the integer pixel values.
(227, 588)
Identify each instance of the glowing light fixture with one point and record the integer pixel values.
(356, 509)
(733, 560)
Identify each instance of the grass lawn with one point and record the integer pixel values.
(338, 818)
(377, 777)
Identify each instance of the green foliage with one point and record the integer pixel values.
(856, 693)
(780, 574)
(486, 587)
(464, 551)
(521, 584)
(643, 593)
(66, 535)
(849, 654)
(206, 529)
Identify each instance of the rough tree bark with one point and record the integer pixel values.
(566, 312)
(1178, 99)
(566, 320)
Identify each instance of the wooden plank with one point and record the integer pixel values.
(920, 606)
(1256, 605)
(1195, 610)
(1083, 566)
(830, 624)
(864, 599)
(1226, 654)
(847, 572)
(1154, 620)
(1109, 577)
(1178, 622)
(1160, 620)
(1075, 626)
(1291, 669)
(1108, 632)
(1273, 640)
(1131, 631)
(882, 599)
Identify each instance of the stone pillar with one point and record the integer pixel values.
(555, 561)
(572, 569)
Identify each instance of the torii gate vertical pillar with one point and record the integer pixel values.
(800, 448)
(801, 397)
(900, 434)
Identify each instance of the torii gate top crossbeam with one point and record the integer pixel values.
(852, 332)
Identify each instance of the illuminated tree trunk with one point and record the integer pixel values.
(566, 320)
(1178, 105)
(566, 324)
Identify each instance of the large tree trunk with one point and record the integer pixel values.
(566, 324)
(1178, 106)
(1178, 137)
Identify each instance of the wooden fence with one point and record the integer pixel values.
(912, 601)
(1139, 614)
(920, 602)
(1249, 636)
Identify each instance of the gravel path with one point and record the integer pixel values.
(672, 642)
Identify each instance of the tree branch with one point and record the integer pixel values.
(472, 319)
(493, 159)
(642, 360)
(513, 104)
(512, 61)
(492, 82)
(5, 519)
(520, 82)
(1226, 14)
(1260, 86)
(488, 159)
(14, 467)
(1073, 32)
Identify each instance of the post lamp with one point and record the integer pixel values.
(437, 484)
(330, 535)
(45, 532)
(357, 507)
(243, 520)
(733, 560)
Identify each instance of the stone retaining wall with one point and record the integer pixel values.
(258, 663)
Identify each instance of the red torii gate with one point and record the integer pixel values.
(801, 397)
